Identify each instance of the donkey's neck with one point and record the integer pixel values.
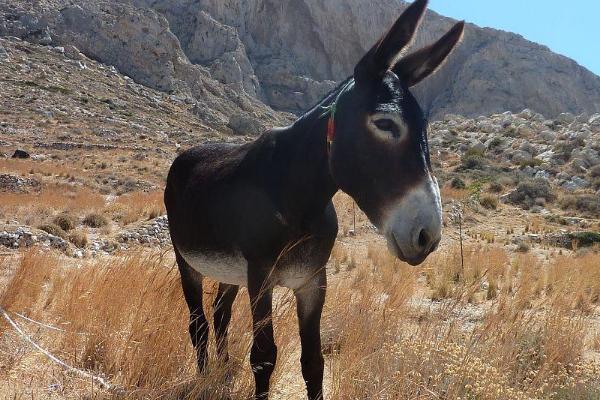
(306, 184)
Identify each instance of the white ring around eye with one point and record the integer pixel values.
(386, 135)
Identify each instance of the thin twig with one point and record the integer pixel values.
(84, 374)
(43, 325)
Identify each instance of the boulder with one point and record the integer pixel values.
(576, 183)
(22, 154)
(594, 120)
(243, 124)
(565, 118)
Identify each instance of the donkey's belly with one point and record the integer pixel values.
(222, 267)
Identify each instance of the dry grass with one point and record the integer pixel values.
(448, 192)
(382, 338)
(31, 167)
(36, 208)
(132, 207)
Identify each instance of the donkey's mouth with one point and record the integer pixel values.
(395, 249)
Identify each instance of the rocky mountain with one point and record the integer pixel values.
(228, 55)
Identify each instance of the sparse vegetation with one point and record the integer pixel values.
(79, 239)
(518, 319)
(488, 201)
(586, 204)
(473, 159)
(495, 187)
(53, 229)
(528, 191)
(457, 183)
(95, 220)
(65, 221)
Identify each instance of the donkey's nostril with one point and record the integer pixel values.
(423, 239)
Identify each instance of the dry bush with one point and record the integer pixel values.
(78, 238)
(126, 320)
(528, 192)
(66, 221)
(360, 322)
(488, 201)
(53, 229)
(575, 281)
(95, 220)
(586, 204)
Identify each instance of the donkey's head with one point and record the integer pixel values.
(379, 154)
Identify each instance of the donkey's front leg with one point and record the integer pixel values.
(309, 301)
(264, 352)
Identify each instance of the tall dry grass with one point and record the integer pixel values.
(383, 337)
(134, 206)
(35, 208)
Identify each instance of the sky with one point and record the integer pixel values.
(570, 28)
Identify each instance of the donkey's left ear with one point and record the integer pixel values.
(417, 66)
(384, 53)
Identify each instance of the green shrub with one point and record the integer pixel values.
(472, 162)
(523, 247)
(95, 220)
(473, 159)
(495, 187)
(534, 162)
(588, 204)
(585, 239)
(53, 229)
(66, 221)
(495, 142)
(457, 183)
(528, 191)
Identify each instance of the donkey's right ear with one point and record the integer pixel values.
(384, 53)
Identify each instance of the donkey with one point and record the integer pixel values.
(261, 214)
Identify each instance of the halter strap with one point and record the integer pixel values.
(331, 110)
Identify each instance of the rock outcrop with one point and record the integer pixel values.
(138, 42)
(292, 51)
(228, 55)
(564, 151)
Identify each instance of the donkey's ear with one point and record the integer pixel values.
(383, 54)
(417, 66)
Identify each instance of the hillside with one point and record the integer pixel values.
(507, 308)
(288, 54)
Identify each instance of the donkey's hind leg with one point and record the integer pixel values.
(222, 315)
(191, 282)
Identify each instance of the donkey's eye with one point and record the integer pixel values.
(387, 125)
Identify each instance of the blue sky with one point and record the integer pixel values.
(571, 28)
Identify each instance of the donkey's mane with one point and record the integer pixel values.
(325, 101)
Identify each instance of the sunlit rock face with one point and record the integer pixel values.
(288, 53)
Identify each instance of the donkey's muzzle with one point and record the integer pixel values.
(414, 227)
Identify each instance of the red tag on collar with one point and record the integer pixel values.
(330, 130)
